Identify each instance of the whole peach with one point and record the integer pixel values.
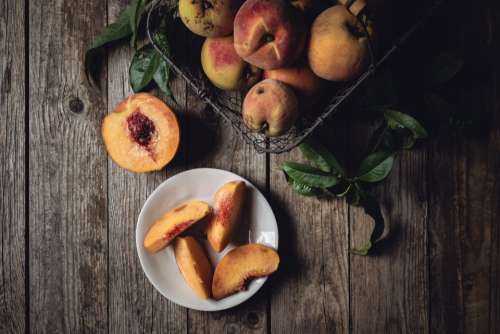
(338, 46)
(209, 18)
(224, 68)
(269, 33)
(307, 85)
(270, 107)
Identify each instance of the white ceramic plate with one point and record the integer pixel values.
(258, 225)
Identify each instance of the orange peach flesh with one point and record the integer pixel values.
(228, 204)
(141, 134)
(173, 223)
(194, 265)
(241, 265)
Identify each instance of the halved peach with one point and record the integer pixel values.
(194, 265)
(228, 201)
(241, 265)
(141, 134)
(173, 223)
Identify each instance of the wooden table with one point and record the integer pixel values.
(68, 213)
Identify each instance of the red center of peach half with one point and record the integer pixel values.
(141, 128)
(177, 230)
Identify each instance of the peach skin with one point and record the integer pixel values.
(228, 202)
(209, 18)
(307, 85)
(269, 33)
(224, 68)
(270, 107)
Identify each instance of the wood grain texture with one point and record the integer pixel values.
(310, 292)
(67, 176)
(211, 142)
(12, 168)
(464, 199)
(388, 290)
(135, 306)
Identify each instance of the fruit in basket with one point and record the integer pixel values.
(194, 265)
(228, 202)
(270, 107)
(306, 84)
(338, 47)
(224, 68)
(269, 33)
(141, 134)
(173, 223)
(302, 5)
(241, 265)
(209, 18)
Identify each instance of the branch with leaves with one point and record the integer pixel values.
(326, 177)
(147, 65)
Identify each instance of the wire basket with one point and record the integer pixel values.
(228, 105)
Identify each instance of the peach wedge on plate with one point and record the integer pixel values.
(173, 223)
(194, 265)
(241, 265)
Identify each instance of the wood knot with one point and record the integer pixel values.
(252, 319)
(76, 105)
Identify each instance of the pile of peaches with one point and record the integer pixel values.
(287, 44)
(236, 268)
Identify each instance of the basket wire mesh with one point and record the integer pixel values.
(228, 105)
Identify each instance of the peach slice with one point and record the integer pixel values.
(173, 223)
(240, 265)
(194, 265)
(228, 201)
(141, 134)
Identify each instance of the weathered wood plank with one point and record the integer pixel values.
(389, 290)
(210, 142)
(465, 197)
(310, 293)
(12, 169)
(67, 177)
(134, 304)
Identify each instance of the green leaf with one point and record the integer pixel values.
(143, 67)
(135, 20)
(116, 31)
(375, 167)
(308, 175)
(162, 76)
(318, 154)
(443, 68)
(372, 208)
(396, 119)
(303, 189)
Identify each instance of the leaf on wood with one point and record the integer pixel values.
(303, 189)
(372, 208)
(135, 20)
(308, 175)
(375, 167)
(396, 119)
(116, 31)
(143, 67)
(320, 156)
